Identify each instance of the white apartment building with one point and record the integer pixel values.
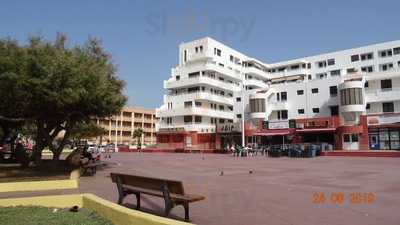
(349, 99)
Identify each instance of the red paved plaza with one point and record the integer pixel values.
(279, 191)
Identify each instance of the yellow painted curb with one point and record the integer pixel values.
(117, 214)
(38, 185)
(57, 201)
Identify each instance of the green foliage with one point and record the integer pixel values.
(138, 135)
(33, 215)
(86, 130)
(55, 87)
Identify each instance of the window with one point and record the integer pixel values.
(231, 58)
(366, 85)
(300, 92)
(187, 119)
(239, 116)
(197, 119)
(221, 107)
(201, 48)
(396, 51)
(354, 137)
(221, 120)
(367, 69)
(238, 99)
(278, 97)
(315, 110)
(197, 104)
(333, 91)
(351, 96)
(178, 77)
(217, 52)
(385, 67)
(309, 77)
(331, 62)
(196, 49)
(257, 105)
(314, 90)
(368, 106)
(386, 84)
(194, 74)
(321, 75)
(385, 53)
(387, 107)
(334, 110)
(321, 64)
(188, 104)
(355, 58)
(346, 138)
(335, 73)
(184, 55)
(283, 96)
(308, 65)
(367, 56)
(300, 111)
(284, 114)
(351, 70)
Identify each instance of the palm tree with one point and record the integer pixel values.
(138, 135)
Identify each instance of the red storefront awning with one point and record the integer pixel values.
(313, 130)
(272, 133)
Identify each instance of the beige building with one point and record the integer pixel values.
(120, 127)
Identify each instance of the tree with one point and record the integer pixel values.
(56, 87)
(137, 134)
(86, 130)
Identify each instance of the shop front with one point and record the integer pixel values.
(317, 130)
(384, 132)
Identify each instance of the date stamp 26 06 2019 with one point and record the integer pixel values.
(340, 198)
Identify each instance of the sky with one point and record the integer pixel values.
(143, 35)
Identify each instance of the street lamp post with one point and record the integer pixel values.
(243, 135)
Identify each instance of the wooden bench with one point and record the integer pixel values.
(91, 168)
(171, 191)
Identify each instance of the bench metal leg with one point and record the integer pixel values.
(137, 200)
(186, 206)
(120, 199)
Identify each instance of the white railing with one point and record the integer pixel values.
(379, 95)
(173, 83)
(200, 95)
(195, 111)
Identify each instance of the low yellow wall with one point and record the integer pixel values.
(57, 201)
(117, 214)
(38, 185)
(72, 183)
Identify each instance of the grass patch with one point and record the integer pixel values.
(34, 215)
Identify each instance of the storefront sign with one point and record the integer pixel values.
(384, 119)
(230, 127)
(278, 125)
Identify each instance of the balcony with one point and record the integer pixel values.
(172, 83)
(382, 95)
(287, 73)
(195, 111)
(235, 74)
(186, 127)
(256, 83)
(255, 71)
(200, 96)
(201, 56)
(278, 105)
